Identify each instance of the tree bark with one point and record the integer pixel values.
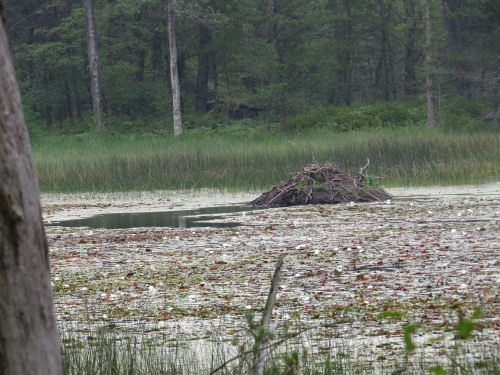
(387, 95)
(496, 101)
(174, 73)
(93, 55)
(411, 53)
(347, 66)
(280, 75)
(29, 342)
(431, 116)
(384, 11)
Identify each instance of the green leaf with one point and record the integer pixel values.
(477, 313)
(465, 328)
(391, 314)
(437, 370)
(408, 330)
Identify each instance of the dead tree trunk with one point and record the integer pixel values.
(261, 351)
(431, 116)
(174, 73)
(93, 55)
(29, 342)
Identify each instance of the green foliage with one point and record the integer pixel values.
(390, 314)
(438, 370)
(390, 114)
(319, 187)
(408, 331)
(466, 326)
(316, 117)
(301, 65)
(463, 113)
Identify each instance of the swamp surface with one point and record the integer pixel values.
(359, 272)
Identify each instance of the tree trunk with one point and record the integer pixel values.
(29, 342)
(268, 118)
(384, 12)
(452, 11)
(215, 74)
(69, 107)
(174, 73)
(95, 80)
(283, 113)
(385, 62)
(280, 74)
(347, 68)
(76, 101)
(203, 69)
(411, 54)
(431, 117)
(496, 101)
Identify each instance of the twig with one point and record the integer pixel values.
(242, 354)
(280, 194)
(366, 165)
(314, 158)
(277, 343)
(260, 351)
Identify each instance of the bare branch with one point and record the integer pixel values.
(261, 351)
(366, 165)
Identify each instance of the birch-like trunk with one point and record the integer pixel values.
(174, 73)
(431, 116)
(29, 342)
(93, 55)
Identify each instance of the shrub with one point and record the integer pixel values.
(344, 118)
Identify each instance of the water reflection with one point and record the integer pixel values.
(202, 217)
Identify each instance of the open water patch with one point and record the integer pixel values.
(201, 217)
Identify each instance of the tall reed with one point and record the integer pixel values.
(410, 156)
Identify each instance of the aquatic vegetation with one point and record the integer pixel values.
(358, 274)
(408, 156)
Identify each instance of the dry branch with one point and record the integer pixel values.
(261, 351)
(318, 184)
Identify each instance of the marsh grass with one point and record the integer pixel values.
(409, 156)
(106, 353)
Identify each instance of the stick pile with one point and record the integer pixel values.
(320, 184)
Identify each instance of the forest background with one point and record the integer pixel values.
(263, 70)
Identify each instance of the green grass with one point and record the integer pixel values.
(104, 353)
(254, 160)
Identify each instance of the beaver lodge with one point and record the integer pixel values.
(320, 184)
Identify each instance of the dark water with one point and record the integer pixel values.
(200, 217)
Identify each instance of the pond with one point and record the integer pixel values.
(201, 217)
(428, 255)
